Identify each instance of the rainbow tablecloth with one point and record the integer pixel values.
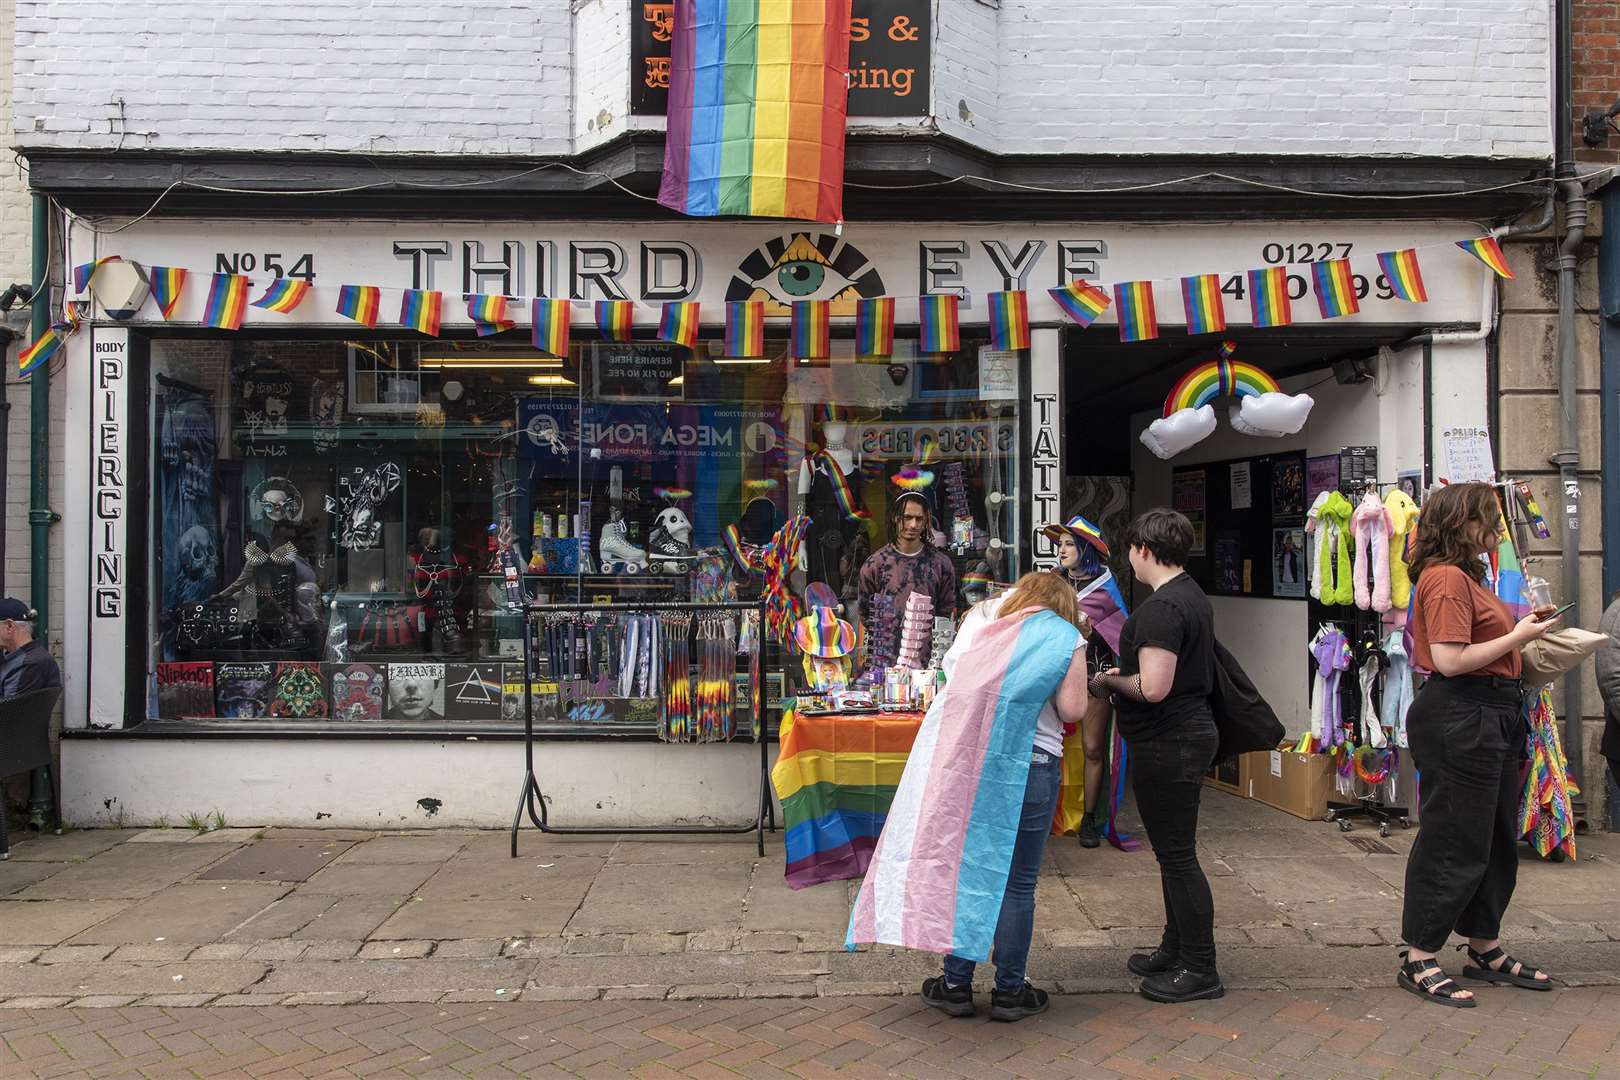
(836, 777)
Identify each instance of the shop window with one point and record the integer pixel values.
(330, 515)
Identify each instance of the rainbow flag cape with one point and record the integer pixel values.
(1401, 270)
(939, 870)
(167, 284)
(1335, 288)
(680, 323)
(85, 273)
(939, 329)
(488, 314)
(41, 349)
(874, 327)
(1137, 319)
(1268, 297)
(615, 319)
(757, 106)
(421, 310)
(810, 331)
(283, 296)
(359, 303)
(745, 328)
(1489, 252)
(227, 302)
(1201, 296)
(1009, 320)
(1081, 301)
(550, 326)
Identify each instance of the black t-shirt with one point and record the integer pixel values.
(1176, 618)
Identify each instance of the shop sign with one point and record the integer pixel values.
(550, 429)
(889, 46)
(109, 363)
(638, 371)
(891, 441)
(1046, 470)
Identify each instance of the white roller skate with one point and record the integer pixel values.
(618, 554)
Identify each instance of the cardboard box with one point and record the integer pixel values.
(1298, 784)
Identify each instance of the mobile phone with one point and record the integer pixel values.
(1556, 613)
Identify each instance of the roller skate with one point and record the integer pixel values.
(670, 546)
(618, 554)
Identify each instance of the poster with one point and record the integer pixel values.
(1411, 482)
(1358, 468)
(1187, 498)
(1468, 455)
(1242, 486)
(998, 374)
(1287, 489)
(1321, 474)
(1290, 572)
(1229, 562)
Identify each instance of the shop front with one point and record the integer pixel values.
(293, 535)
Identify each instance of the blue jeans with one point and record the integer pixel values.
(1016, 926)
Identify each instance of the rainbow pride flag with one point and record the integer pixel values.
(1081, 301)
(1507, 573)
(1009, 320)
(615, 319)
(1489, 252)
(939, 329)
(1401, 270)
(488, 314)
(227, 302)
(874, 326)
(810, 330)
(1201, 296)
(35, 354)
(1137, 319)
(757, 107)
(939, 871)
(85, 273)
(359, 303)
(550, 326)
(745, 328)
(680, 323)
(1335, 288)
(1268, 297)
(283, 296)
(167, 284)
(421, 310)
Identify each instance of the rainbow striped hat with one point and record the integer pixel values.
(1082, 530)
(823, 634)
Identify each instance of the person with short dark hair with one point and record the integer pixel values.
(26, 664)
(909, 563)
(1161, 689)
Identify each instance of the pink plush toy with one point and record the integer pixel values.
(1372, 529)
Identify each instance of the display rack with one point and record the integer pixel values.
(532, 799)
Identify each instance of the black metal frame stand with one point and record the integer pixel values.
(1367, 806)
(534, 801)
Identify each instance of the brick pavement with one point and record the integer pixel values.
(1364, 1033)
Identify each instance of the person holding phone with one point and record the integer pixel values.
(1467, 733)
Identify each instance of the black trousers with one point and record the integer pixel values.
(1467, 736)
(1167, 774)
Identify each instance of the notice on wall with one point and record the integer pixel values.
(1187, 499)
(1242, 486)
(1468, 455)
(998, 374)
(639, 370)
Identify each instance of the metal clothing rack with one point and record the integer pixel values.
(533, 800)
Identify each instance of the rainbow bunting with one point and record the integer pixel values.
(1137, 319)
(551, 319)
(679, 323)
(938, 327)
(1009, 320)
(1489, 252)
(757, 105)
(874, 326)
(1201, 294)
(488, 314)
(810, 331)
(1335, 288)
(1081, 301)
(227, 302)
(283, 296)
(359, 303)
(40, 350)
(421, 310)
(1268, 297)
(167, 284)
(615, 319)
(1401, 270)
(745, 328)
(85, 273)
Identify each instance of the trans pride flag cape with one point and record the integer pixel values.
(940, 868)
(1103, 604)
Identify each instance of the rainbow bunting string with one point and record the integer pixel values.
(1137, 319)
(1009, 320)
(1081, 301)
(1401, 270)
(85, 273)
(488, 314)
(167, 284)
(810, 330)
(874, 326)
(359, 303)
(40, 350)
(1489, 252)
(1201, 295)
(615, 319)
(679, 323)
(283, 296)
(421, 310)
(227, 302)
(1335, 288)
(745, 328)
(938, 327)
(1268, 297)
(550, 326)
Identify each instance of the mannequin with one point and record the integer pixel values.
(831, 552)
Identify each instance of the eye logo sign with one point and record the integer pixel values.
(805, 266)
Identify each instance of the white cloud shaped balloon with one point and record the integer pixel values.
(1180, 431)
(1271, 415)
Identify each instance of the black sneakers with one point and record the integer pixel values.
(953, 1000)
(1008, 1006)
(1090, 832)
(1179, 985)
(1154, 963)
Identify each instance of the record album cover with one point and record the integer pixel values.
(356, 691)
(242, 688)
(415, 692)
(185, 690)
(472, 691)
(298, 691)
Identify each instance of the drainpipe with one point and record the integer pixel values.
(40, 516)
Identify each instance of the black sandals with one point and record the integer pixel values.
(1509, 971)
(1436, 986)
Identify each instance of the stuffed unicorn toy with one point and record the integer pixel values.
(1372, 529)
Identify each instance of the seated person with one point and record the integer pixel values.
(26, 664)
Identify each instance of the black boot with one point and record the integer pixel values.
(1175, 987)
(1154, 963)
(1091, 833)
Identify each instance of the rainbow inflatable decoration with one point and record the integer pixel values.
(1189, 413)
(1221, 377)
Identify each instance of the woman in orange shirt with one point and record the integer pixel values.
(1467, 734)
